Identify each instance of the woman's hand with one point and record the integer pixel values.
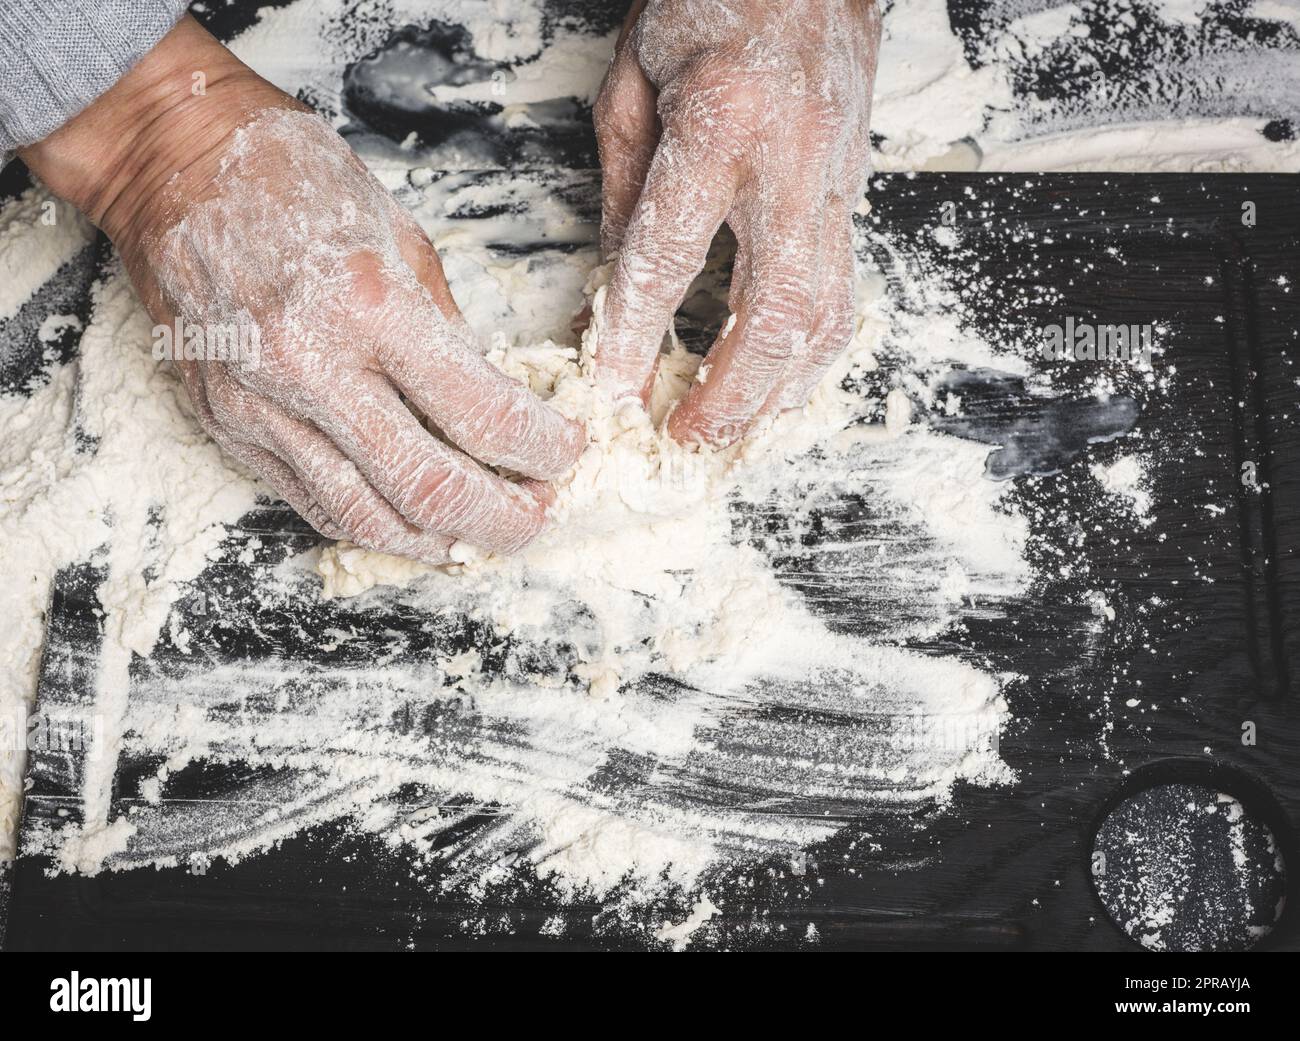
(754, 112)
(236, 209)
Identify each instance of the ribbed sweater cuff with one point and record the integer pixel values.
(57, 56)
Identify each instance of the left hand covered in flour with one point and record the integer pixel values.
(752, 112)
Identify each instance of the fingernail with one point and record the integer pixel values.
(579, 429)
(541, 491)
(462, 553)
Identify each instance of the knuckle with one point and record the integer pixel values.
(782, 307)
(522, 434)
(719, 94)
(294, 372)
(245, 452)
(356, 514)
(771, 351)
(371, 533)
(657, 256)
(489, 426)
(833, 332)
(318, 517)
(437, 496)
(370, 285)
(228, 404)
(830, 339)
(446, 499)
(284, 358)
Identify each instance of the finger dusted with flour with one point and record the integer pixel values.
(345, 323)
(242, 212)
(762, 113)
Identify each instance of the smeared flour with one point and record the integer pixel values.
(103, 461)
(647, 576)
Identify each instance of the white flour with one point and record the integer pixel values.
(676, 594)
(152, 497)
(1126, 478)
(149, 495)
(932, 106)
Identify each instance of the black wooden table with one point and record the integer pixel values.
(998, 867)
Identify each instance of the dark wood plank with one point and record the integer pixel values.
(997, 868)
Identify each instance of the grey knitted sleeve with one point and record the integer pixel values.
(57, 56)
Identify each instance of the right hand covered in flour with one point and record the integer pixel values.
(236, 209)
(752, 112)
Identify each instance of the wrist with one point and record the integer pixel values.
(172, 111)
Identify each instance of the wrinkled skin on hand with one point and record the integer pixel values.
(752, 112)
(288, 232)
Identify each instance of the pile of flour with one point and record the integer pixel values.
(640, 518)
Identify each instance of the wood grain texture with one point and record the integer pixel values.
(1002, 868)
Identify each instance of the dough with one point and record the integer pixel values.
(640, 547)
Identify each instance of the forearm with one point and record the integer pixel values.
(157, 120)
